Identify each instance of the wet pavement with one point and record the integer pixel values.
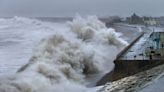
(136, 52)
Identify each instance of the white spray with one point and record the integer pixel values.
(62, 62)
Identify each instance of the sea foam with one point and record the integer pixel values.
(63, 61)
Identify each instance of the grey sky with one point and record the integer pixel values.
(83, 7)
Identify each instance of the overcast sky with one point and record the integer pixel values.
(83, 7)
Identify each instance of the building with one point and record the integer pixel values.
(157, 42)
(151, 22)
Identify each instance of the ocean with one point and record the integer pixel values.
(56, 55)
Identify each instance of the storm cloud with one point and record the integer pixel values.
(83, 7)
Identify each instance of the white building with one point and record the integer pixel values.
(151, 22)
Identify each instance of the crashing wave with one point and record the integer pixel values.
(63, 61)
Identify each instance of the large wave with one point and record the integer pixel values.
(64, 61)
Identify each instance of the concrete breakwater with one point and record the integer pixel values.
(124, 69)
(135, 82)
(133, 60)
